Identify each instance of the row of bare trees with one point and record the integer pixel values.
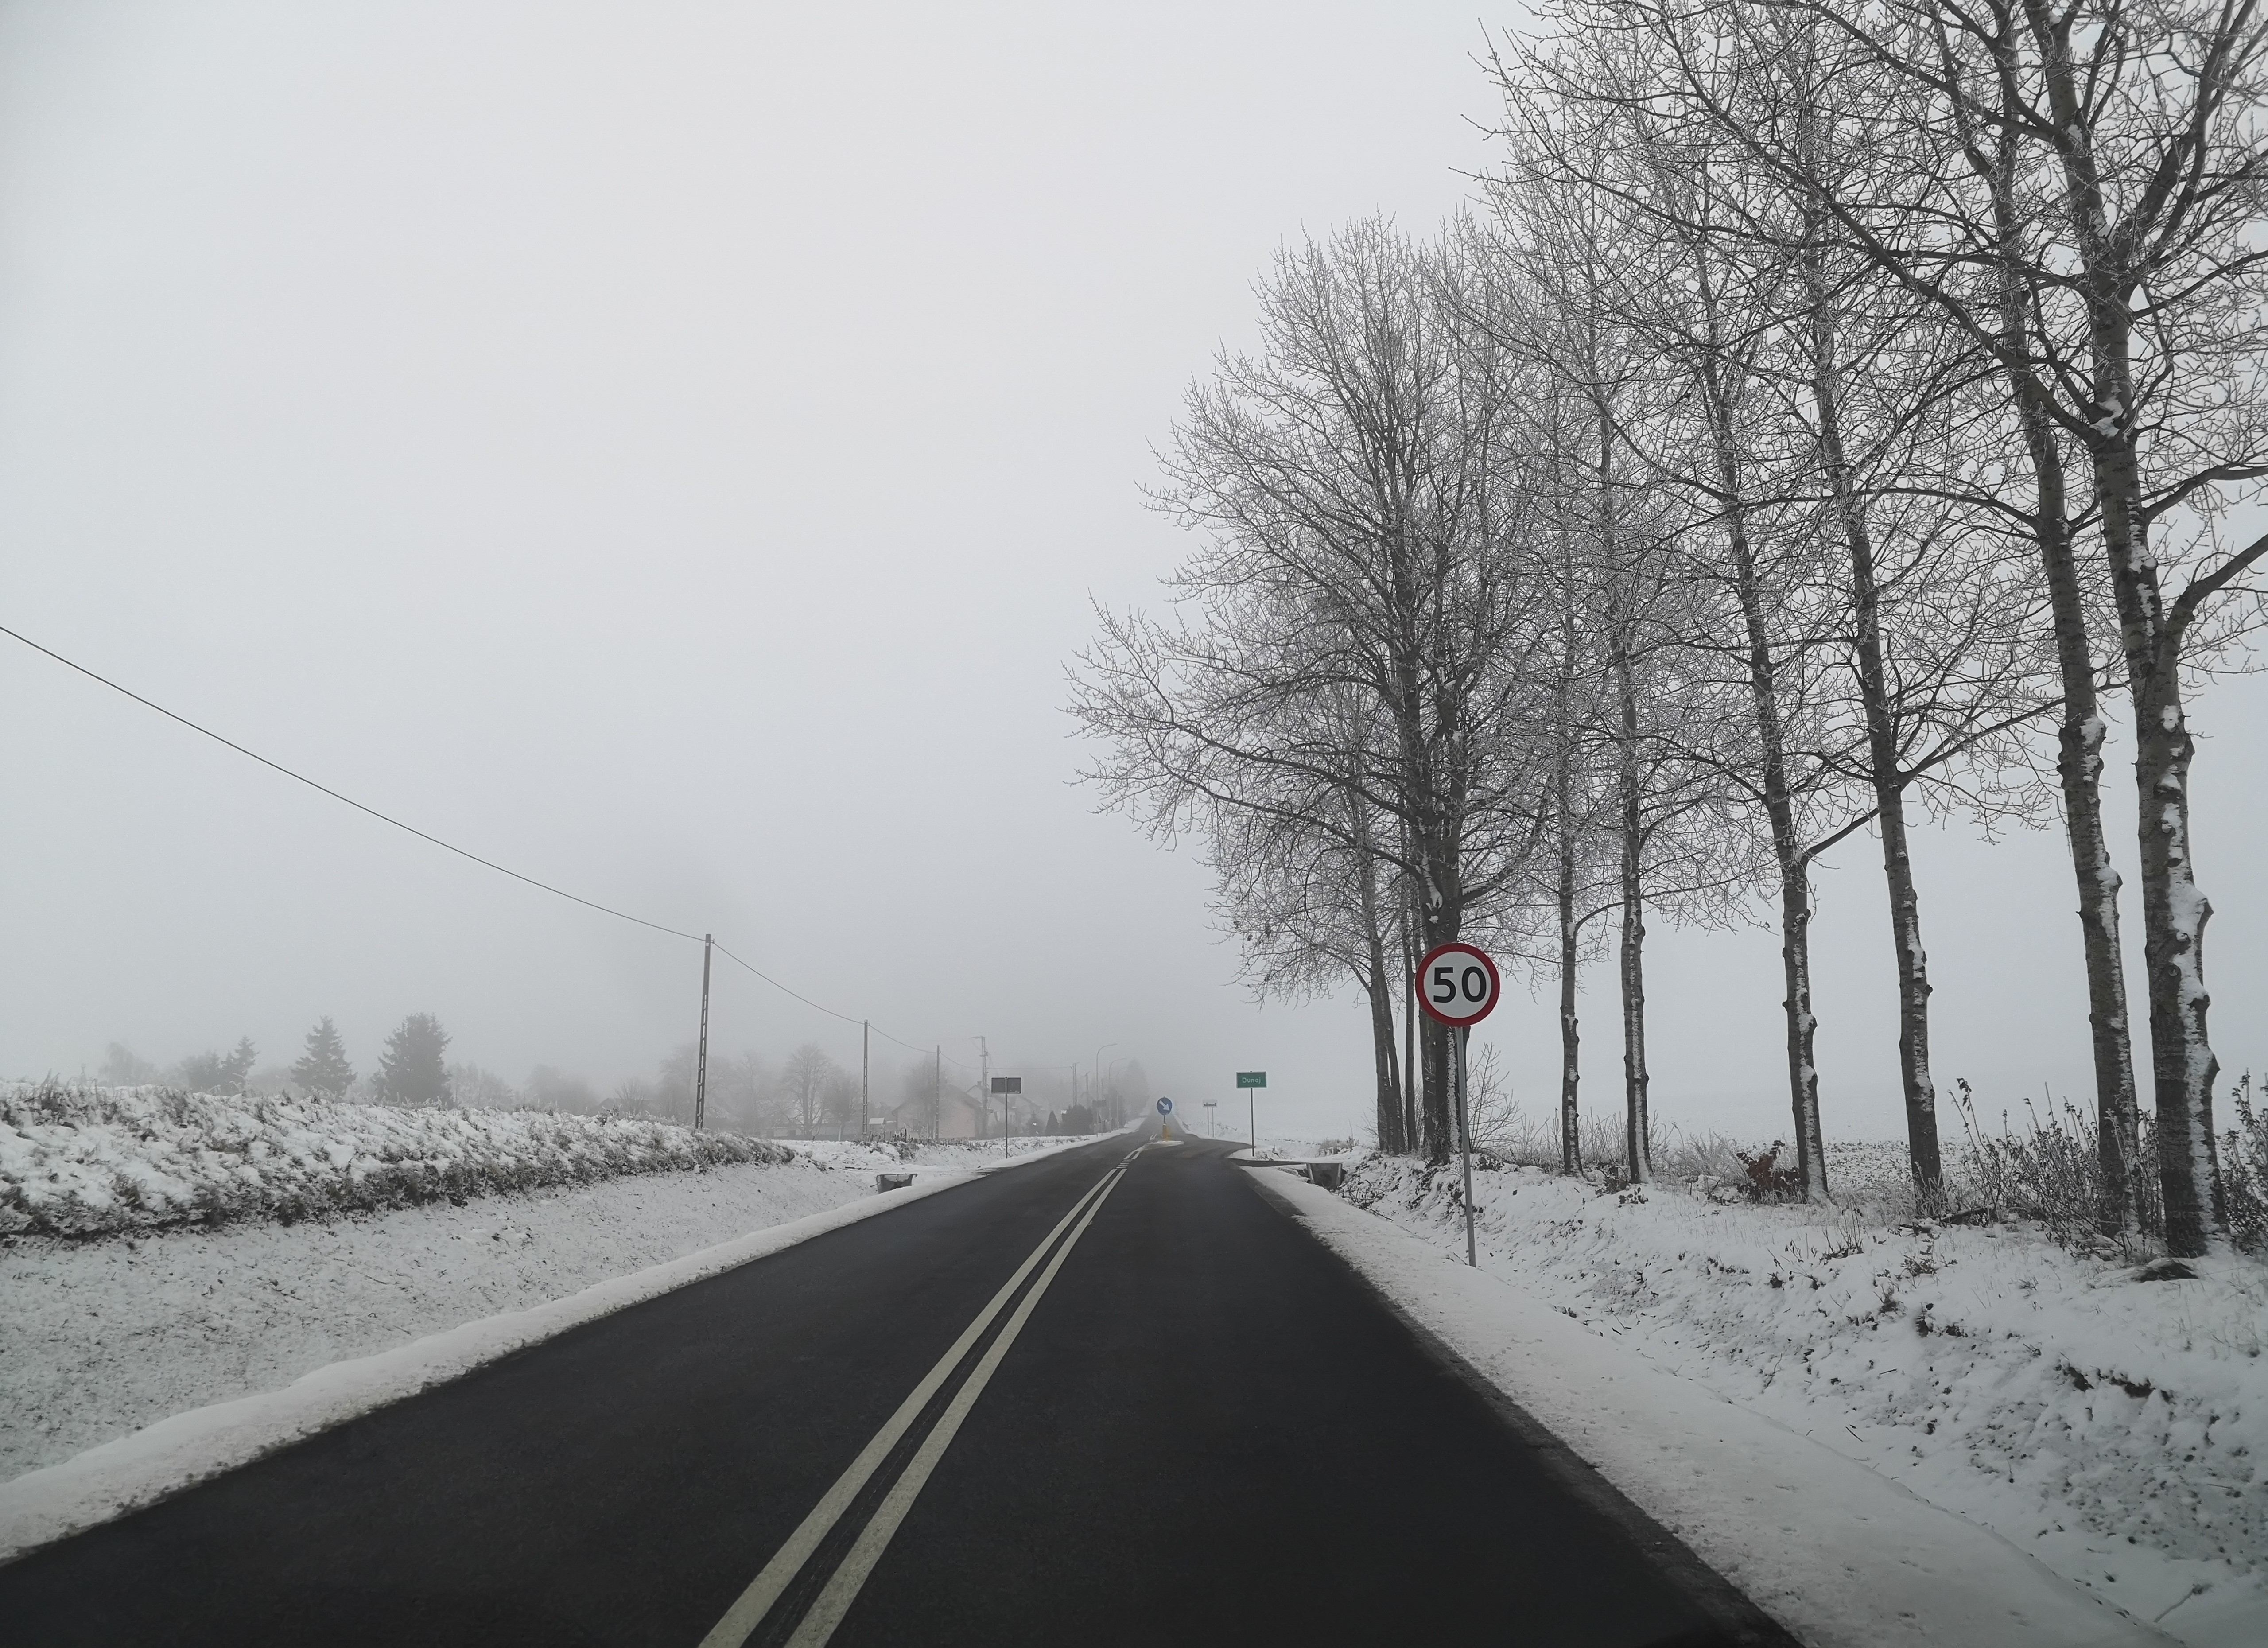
(1825, 417)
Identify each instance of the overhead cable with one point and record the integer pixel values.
(487, 863)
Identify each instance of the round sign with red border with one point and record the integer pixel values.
(1457, 984)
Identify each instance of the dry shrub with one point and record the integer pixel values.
(2244, 1170)
(1766, 1180)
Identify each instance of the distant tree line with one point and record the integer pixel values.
(807, 1095)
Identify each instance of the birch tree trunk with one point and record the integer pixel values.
(2080, 729)
(1409, 1033)
(1889, 780)
(1793, 862)
(1378, 985)
(1570, 1035)
(1638, 1153)
(2173, 907)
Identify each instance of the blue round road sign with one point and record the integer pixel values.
(1164, 1107)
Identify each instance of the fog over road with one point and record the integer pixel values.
(1115, 1396)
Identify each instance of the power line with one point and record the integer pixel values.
(487, 863)
(830, 1011)
(382, 818)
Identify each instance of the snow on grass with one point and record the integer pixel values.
(192, 1445)
(170, 1251)
(99, 1338)
(2117, 1429)
(1842, 1556)
(87, 1161)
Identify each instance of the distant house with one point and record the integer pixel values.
(953, 1115)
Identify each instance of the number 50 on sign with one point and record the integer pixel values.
(1457, 984)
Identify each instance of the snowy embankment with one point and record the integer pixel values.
(212, 1285)
(88, 1161)
(2115, 1430)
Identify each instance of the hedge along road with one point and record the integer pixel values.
(1114, 1396)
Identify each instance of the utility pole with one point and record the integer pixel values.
(937, 1095)
(865, 1063)
(701, 1058)
(984, 1079)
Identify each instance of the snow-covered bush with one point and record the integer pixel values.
(2244, 1169)
(86, 1161)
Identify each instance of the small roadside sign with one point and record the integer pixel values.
(1252, 1079)
(1007, 1084)
(1164, 1107)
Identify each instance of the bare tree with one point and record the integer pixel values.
(2097, 167)
(1365, 502)
(804, 1081)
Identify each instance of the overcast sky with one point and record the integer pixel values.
(670, 449)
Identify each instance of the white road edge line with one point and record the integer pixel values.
(748, 1611)
(843, 1586)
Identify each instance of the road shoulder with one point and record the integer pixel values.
(1840, 1555)
(175, 1454)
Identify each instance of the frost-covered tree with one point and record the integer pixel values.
(803, 1083)
(551, 1089)
(323, 1067)
(412, 1069)
(471, 1085)
(1366, 501)
(219, 1072)
(121, 1068)
(2077, 191)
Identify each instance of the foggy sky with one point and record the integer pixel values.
(670, 449)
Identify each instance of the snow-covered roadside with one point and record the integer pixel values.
(1844, 1556)
(92, 1161)
(98, 1338)
(2117, 1431)
(133, 1366)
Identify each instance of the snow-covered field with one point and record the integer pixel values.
(2117, 1429)
(210, 1282)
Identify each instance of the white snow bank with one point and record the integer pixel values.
(189, 1448)
(2117, 1431)
(1842, 1555)
(99, 1337)
(82, 1161)
(921, 1155)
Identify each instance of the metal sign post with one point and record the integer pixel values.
(1213, 1126)
(1252, 1081)
(1165, 1118)
(1003, 1085)
(1458, 986)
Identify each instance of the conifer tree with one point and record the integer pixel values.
(323, 1067)
(411, 1071)
(237, 1065)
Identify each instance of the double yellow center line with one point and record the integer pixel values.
(826, 1610)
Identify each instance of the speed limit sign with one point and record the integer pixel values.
(1457, 984)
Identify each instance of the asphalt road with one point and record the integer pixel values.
(1101, 1399)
